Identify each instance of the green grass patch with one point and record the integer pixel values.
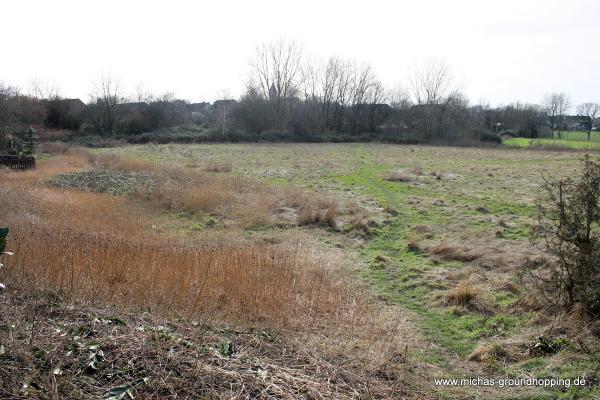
(566, 143)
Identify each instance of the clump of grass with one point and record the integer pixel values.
(330, 215)
(308, 215)
(463, 294)
(405, 175)
(256, 211)
(218, 166)
(359, 223)
(416, 169)
(451, 251)
(399, 176)
(491, 354)
(311, 214)
(414, 244)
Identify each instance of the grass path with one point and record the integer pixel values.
(403, 279)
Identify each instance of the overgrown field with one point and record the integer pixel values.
(390, 265)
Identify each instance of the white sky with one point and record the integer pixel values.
(505, 49)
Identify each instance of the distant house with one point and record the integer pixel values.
(130, 108)
(221, 111)
(203, 107)
(223, 107)
(574, 123)
(200, 112)
(219, 104)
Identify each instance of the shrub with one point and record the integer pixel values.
(569, 214)
(490, 137)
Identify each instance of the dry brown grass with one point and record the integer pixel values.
(405, 175)
(312, 214)
(102, 248)
(330, 215)
(218, 166)
(176, 195)
(250, 202)
(453, 251)
(111, 161)
(399, 176)
(268, 285)
(416, 169)
(463, 294)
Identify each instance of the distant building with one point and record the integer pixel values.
(574, 123)
(200, 112)
(135, 107)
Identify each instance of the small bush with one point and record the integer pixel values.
(569, 218)
(490, 137)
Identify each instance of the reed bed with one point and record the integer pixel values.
(95, 247)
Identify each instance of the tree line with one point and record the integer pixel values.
(290, 96)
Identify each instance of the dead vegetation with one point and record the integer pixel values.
(453, 251)
(405, 175)
(96, 249)
(218, 166)
(312, 214)
(251, 203)
(54, 349)
(399, 176)
(463, 294)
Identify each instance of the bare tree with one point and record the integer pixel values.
(276, 75)
(556, 105)
(143, 95)
(589, 111)
(377, 95)
(434, 87)
(399, 98)
(362, 84)
(43, 90)
(334, 89)
(107, 94)
(433, 83)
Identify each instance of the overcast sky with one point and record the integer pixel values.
(504, 50)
